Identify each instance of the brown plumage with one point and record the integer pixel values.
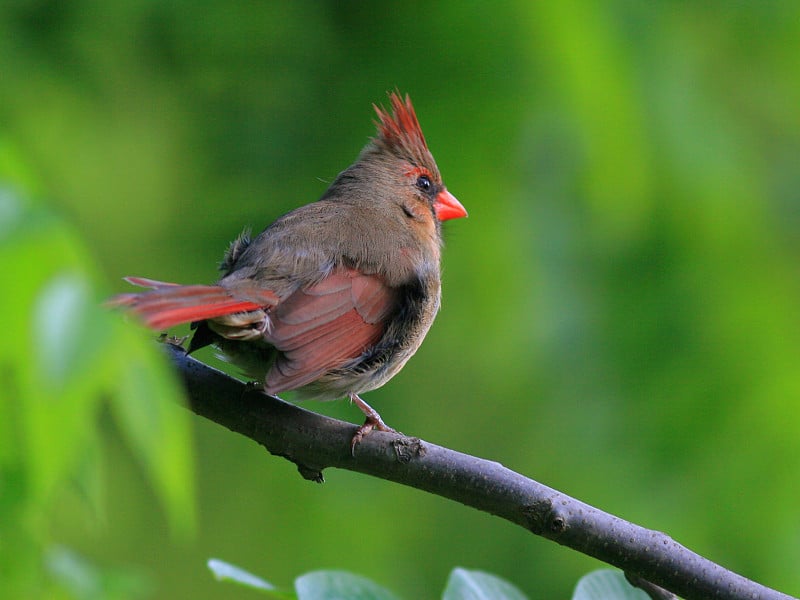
(334, 297)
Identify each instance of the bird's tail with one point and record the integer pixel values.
(170, 304)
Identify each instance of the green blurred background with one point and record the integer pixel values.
(620, 316)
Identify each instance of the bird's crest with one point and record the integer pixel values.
(400, 129)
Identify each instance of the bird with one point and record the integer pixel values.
(333, 298)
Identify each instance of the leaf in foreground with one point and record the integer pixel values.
(339, 585)
(224, 571)
(464, 584)
(606, 584)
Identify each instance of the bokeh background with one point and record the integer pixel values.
(620, 316)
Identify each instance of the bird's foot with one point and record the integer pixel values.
(172, 340)
(373, 421)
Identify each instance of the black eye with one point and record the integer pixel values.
(424, 183)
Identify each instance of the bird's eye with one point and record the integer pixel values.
(424, 183)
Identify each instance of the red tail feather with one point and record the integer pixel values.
(170, 304)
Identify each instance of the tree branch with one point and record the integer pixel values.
(314, 442)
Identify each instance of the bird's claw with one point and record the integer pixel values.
(372, 422)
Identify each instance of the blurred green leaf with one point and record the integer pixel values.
(86, 581)
(62, 319)
(68, 354)
(606, 584)
(70, 351)
(63, 379)
(338, 585)
(146, 402)
(224, 571)
(466, 584)
(56, 365)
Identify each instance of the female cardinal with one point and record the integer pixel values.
(334, 297)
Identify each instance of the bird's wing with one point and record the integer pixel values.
(321, 327)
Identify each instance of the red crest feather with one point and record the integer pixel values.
(401, 128)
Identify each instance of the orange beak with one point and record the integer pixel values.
(448, 207)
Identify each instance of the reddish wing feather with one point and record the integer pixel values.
(149, 283)
(370, 298)
(322, 327)
(347, 337)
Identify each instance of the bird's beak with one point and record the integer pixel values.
(448, 207)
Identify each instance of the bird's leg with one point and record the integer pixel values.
(373, 421)
(173, 340)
